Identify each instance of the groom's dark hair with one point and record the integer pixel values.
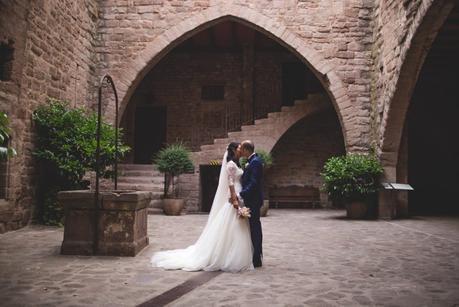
(248, 145)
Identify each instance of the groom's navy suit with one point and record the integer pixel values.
(252, 194)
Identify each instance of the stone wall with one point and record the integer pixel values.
(334, 36)
(54, 57)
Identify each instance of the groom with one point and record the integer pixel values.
(252, 195)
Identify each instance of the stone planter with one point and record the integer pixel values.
(264, 208)
(122, 223)
(173, 206)
(356, 209)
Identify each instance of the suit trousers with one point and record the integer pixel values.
(256, 234)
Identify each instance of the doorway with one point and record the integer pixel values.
(150, 132)
(209, 175)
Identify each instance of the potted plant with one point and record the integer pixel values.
(5, 150)
(173, 160)
(267, 161)
(353, 179)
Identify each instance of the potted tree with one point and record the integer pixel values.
(173, 160)
(267, 161)
(353, 179)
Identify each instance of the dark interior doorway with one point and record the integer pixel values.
(209, 175)
(293, 82)
(433, 127)
(150, 132)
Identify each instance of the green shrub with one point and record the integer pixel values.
(5, 150)
(266, 159)
(351, 177)
(66, 148)
(173, 160)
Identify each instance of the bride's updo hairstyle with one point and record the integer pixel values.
(232, 148)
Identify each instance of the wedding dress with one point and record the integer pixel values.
(225, 242)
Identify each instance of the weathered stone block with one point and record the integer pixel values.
(121, 223)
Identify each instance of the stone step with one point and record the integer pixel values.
(274, 115)
(141, 187)
(261, 121)
(207, 147)
(145, 167)
(224, 141)
(141, 179)
(139, 173)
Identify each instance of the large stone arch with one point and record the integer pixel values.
(129, 75)
(421, 37)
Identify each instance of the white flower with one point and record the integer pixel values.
(243, 212)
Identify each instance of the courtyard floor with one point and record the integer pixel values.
(312, 258)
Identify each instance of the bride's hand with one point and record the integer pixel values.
(235, 204)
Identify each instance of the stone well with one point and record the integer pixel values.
(122, 222)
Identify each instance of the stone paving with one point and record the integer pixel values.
(312, 258)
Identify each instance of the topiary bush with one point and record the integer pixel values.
(173, 160)
(351, 177)
(66, 150)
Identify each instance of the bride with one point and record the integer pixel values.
(225, 242)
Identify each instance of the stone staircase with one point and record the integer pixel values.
(264, 132)
(267, 131)
(142, 177)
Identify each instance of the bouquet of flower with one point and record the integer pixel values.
(243, 212)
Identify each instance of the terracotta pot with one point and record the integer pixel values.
(356, 209)
(173, 206)
(264, 208)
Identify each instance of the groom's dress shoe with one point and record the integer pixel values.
(257, 264)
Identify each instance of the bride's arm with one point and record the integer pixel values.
(232, 169)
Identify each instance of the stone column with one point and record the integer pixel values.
(402, 175)
(386, 201)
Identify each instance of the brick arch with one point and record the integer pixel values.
(422, 38)
(130, 74)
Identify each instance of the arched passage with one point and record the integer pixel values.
(131, 74)
(395, 116)
(420, 139)
(299, 156)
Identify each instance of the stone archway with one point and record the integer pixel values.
(394, 118)
(134, 71)
(394, 130)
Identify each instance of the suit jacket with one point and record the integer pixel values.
(252, 186)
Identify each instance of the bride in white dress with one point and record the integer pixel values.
(225, 242)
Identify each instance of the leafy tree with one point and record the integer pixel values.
(66, 148)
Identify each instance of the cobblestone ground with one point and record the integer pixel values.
(312, 258)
